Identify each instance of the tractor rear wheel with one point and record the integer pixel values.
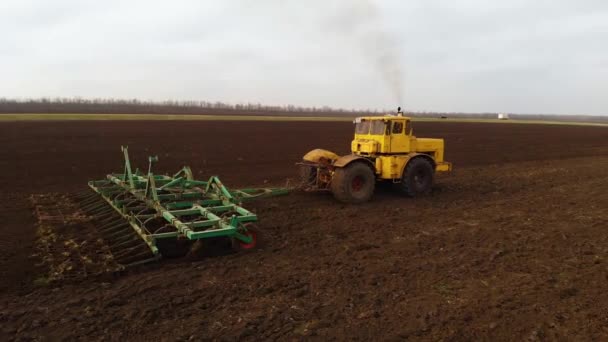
(417, 179)
(354, 183)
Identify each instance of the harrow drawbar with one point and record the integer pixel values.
(143, 217)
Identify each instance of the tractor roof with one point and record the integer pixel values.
(382, 117)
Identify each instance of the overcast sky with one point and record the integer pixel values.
(519, 56)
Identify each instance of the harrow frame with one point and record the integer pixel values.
(190, 209)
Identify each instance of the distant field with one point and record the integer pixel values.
(195, 117)
(162, 117)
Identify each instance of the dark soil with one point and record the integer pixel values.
(512, 245)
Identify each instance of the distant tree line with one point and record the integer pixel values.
(79, 105)
(135, 106)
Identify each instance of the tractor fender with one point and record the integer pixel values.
(418, 155)
(348, 159)
(320, 156)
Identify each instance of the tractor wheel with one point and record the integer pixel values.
(354, 183)
(417, 179)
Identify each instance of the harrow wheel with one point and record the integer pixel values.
(253, 232)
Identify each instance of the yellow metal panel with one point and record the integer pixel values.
(369, 144)
(379, 166)
(445, 166)
(366, 146)
(428, 144)
(392, 166)
(399, 141)
(318, 154)
(431, 145)
(345, 160)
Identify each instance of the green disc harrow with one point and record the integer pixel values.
(145, 216)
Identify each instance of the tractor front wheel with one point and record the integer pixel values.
(354, 183)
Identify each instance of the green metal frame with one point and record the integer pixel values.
(211, 209)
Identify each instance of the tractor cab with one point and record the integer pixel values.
(382, 135)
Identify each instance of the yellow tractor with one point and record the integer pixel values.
(384, 149)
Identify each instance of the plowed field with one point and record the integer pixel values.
(511, 245)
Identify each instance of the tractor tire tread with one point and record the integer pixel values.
(407, 185)
(340, 183)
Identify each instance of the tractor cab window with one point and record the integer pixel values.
(376, 127)
(397, 127)
(379, 127)
(362, 127)
(408, 127)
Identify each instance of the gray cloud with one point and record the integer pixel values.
(448, 55)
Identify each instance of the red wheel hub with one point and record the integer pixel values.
(357, 183)
(251, 244)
